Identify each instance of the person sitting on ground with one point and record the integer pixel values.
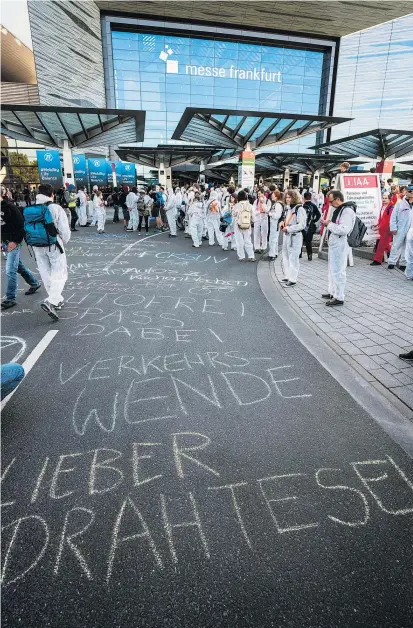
(12, 234)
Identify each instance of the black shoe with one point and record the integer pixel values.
(402, 268)
(50, 310)
(33, 289)
(74, 230)
(334, 302)
(327, 296)
(7, 303)
(271, 259)
(310, 258)
(374, 263)
(290, 283)
(408, 357)
(300, 256)
(284, 280)
(390, 266)
(60, 305)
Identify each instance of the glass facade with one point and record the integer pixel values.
(163, 75)
(375, 79)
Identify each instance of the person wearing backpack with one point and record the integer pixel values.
(275, 214)
(12, 234)
(339, 227)
(261, 208)
(293, 226)
(47, 231)
(242, 213)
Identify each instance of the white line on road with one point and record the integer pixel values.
(32, 358)
(115, 259)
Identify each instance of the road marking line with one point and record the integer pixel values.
(115, 259)
(32, 358)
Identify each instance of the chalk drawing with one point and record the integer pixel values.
(66, 538)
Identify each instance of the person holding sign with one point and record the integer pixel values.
(293, 227)
(399, 226)
(338, 228)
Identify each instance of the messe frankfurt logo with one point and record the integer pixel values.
(48, 157)
(171, 64)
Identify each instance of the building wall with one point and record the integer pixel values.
(375, 79)
(67, 46)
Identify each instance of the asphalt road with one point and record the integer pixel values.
(177, 458)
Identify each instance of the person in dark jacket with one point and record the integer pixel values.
(313, 216)
(12, 234)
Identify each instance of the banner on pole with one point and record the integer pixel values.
(246, 169)
(128, 173)
(365, 191)
(80, 170)
(50, 170)
(98, 173)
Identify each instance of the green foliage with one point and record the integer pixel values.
(23, 170)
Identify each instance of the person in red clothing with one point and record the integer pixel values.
(384, 230)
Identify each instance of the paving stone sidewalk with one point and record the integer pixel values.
(370, 330)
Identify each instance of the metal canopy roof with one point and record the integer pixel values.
(174, 155)
(379, 143)
(299, 162)
(81, 127)
(233, 128)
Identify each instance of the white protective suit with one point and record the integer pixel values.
(409, 249)
(170, 208)
(400, 222)
(213, 219)
(95, 203)
(229, 235)
(132, 205)
(338, 250)
(243, 236)
(296, 220)
(52, 264)
(274, 214)
(100, 213)
(261, 209)
(196, 221)
(82, 211)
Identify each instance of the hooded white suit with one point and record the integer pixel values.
(170, 208)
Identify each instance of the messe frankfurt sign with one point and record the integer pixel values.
(257, 74)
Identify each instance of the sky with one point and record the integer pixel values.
(15, 17)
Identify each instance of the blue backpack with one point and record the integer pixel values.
(39, 227)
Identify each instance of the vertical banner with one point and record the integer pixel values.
(80, 170)
(50, 170)
(128, 173)
(115, 166)
(98, 173)
(385, 168)
(246, 169)
(365, 191)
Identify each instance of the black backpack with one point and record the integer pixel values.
(355, 237)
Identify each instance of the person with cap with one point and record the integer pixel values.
(12, 234)
(399, 227)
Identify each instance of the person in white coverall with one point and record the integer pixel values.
(213, 219)
(51, 261)
(196, 219)
(261, 209)
(228, 202)
(338, 228)
(399, 226)
(95, 190)
(293, 227)
(243, 236)
(132, 205)
(277, 208)
(409, 249)
(170, 208)
(100, 212)
(82, 206)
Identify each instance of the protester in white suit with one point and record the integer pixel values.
(261, 208)
(292, 227)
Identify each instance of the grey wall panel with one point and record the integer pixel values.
(68, 52)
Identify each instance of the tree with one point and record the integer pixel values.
(23, 170)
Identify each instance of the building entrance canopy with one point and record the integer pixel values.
(235, 128)
(80, 127)
(299, 162)
(377, 144)
(174, 155)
